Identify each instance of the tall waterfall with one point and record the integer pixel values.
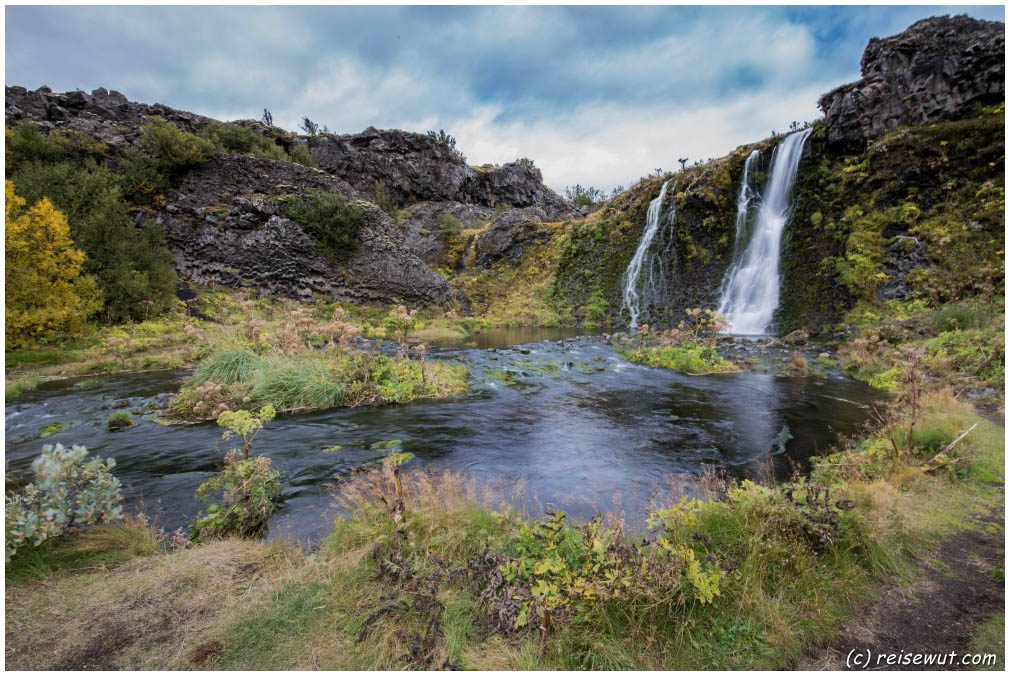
(751, 289)
(631, 297)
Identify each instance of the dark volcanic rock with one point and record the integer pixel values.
(106, 115)
(509, 235)
(417, 168)
(225, 225)
(422, 233)
(939, 68)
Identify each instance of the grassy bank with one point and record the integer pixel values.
(229, 323)
(748, 579)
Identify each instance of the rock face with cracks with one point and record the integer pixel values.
(226, 225)
(418, 168)
(938, 69)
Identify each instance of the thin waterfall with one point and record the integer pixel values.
(631, 297)
(751, 289)
(743, 202)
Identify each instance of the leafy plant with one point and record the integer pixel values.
(398, 326)
(46, 293)
(67, 491)
(245, 425)
(328, 220)
(250, 489)
(250, 486)
(176, 150)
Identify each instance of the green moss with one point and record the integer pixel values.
(686, 358)
(49, 429)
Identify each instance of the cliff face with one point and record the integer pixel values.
(225, 225)
(225, 221)
(418, 168)
(106, 115)
(938, 69)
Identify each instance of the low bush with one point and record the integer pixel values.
(249, 490)
(68, 491)
(176, 150)
(328, 220)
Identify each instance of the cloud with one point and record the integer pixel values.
(595, 95)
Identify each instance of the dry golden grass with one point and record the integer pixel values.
(150, 613)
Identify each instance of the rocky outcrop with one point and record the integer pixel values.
(106, 115)
(938, 69)
(226, 225)
(419, 168)
(509, 235)
(422, 228)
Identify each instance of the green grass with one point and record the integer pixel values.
(311, 380)
(226, 366)
(687, 358)
(990, 638)
(101, 546)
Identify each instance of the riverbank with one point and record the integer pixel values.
(776, 570)
(211, 319)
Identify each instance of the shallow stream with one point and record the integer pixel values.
(584, 429)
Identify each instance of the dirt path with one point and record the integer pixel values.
(960, 587)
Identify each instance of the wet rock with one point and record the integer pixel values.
(798, 337)
(938, 69)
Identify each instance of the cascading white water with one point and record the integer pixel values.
(743, 201)
(751, 289)
(631, 297)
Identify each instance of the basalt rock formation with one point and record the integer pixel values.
(938, 69)
(106, 115)
(419, 168)
(226, 225)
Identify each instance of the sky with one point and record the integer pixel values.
(598, 96)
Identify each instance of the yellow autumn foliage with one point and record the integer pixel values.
(46, 294)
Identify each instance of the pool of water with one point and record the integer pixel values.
(582, 428)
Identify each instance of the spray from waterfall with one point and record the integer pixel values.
(631, 296)
(751, 289)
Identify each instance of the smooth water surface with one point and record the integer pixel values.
(585, 429)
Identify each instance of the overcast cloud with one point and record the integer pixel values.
(595, 95)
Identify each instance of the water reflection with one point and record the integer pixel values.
(586, 430)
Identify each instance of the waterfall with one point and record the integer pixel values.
(631, 297)
(751, 289)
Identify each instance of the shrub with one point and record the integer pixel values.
(449, 225)
(27, 143)
(131, 264)
(46, 293)
(175, 149)
(384, 200)
(300, 155)
(67, 491)
(232, 138)
(245, 425)
(250, 488)
(139, 180)
(328, 220)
